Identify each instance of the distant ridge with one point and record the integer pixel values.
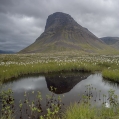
(63, 33)
(111, 41)
(6, 52)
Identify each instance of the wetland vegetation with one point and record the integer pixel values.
(83, 108)
(14, 66)
(20, 65)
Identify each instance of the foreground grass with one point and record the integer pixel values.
(13, 66)
(78, 110)
(85, 111)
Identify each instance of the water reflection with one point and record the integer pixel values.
(26, 84)
(111, 83)
(70, 84)
(64, 82)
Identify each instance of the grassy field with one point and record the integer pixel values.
(16, 65)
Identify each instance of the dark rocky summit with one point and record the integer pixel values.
(63, 33)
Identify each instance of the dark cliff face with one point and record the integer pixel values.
(62, 27)
(58, 20)
(63, 33)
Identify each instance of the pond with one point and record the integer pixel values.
(69, 86)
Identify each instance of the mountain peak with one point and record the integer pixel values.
(58, 19)
(63, 33)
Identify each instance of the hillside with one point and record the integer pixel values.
(112, 41)
(63, 33)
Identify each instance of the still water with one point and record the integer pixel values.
(69, 86)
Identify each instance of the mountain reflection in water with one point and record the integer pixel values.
(69, 84)
(64, 83)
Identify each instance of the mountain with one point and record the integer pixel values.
(63, 33)
(6, 52)
(64, 82)
(112, 41)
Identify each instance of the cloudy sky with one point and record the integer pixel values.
(22, 21)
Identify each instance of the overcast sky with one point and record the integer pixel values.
(22, 21)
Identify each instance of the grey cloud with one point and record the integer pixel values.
(22, 21)
(2, 40)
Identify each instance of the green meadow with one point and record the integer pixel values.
(16, 65)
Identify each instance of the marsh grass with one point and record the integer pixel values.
(54, 106)
(85, 111)
(10, 70)
(79, 111)
(31, 109)
(8, 117)
(16, 65)
(112, 75)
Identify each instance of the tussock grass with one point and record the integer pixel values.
(15, 65)
(82, 111)
(85, 111)
(16, 70)
(112, 75)
(9, 116)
